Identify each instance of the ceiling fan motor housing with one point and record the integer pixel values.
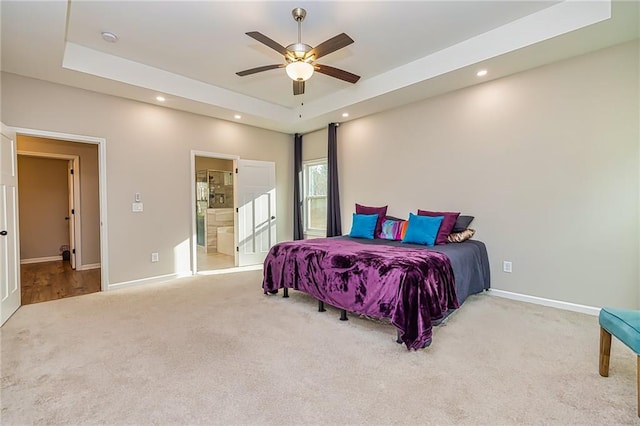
(298, 51)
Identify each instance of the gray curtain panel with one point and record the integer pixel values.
(334, 222)
(298, 231)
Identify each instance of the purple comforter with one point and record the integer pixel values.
(410, 286)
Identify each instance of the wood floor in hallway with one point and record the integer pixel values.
(41, 282)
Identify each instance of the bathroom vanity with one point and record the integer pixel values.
(219, 231)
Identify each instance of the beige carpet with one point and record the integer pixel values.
(215, 350)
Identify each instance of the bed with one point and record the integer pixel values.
(410, 285)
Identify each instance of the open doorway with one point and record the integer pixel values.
(59, 218)
(214, 183)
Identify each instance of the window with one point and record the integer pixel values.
(315, 197)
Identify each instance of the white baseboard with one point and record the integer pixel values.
(88, 266)
(567, 306)
(150, 280)
(231, 270)
(40, 259)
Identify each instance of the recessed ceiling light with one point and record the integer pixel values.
(481, 73)
(109, 37)
(237, 116)
(160, 98)
(345, 114)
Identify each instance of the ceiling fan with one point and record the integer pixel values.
(300, 58)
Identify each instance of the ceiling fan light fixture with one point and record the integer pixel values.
(299, 70)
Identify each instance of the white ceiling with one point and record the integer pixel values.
(404, 51)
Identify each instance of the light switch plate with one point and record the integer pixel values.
(136, 207)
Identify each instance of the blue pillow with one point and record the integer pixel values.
(422, 229)
(363, 225)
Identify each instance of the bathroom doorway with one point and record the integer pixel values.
(215, 216)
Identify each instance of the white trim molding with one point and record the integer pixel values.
(192, 179)
(88, 266)
(102, 187)
(567, 306)
(76, 244)
(40, 259)
(150, 280)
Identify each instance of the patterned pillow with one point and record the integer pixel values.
(458, 237)
(393, 229)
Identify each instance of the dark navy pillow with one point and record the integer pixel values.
(462, 223)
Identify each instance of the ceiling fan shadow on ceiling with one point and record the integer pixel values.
(301, 58)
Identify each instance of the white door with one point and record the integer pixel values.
(9, 252)
(256, 202)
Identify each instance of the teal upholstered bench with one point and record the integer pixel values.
(625, 325)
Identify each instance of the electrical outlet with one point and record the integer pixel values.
(154, 257)
(506, 266)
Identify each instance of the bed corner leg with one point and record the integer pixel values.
(343, 315)
(321, 306)
(285, 292)
(398, 339)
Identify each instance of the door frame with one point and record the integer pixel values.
(192, 179)
(102, 187)
(75, 239)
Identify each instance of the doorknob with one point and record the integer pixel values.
(66, 218)
(273, 217)
(3, 233)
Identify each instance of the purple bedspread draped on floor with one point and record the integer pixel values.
(410, 286)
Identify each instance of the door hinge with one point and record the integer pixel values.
(73, 211)
(71, 171)
(236, 210)
(237, 249)
(236, 170)
(73, 251)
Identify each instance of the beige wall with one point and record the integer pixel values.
(148, 151)
(547, 160)
(314, 145)
(43, 206)
(89, 189)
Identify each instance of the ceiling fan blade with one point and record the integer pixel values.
(267, 42)
(337, 73)
(259, 69)
(329, 46)
(298, 87)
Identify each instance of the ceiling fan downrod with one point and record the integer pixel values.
(298, 15)
(299, 49)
